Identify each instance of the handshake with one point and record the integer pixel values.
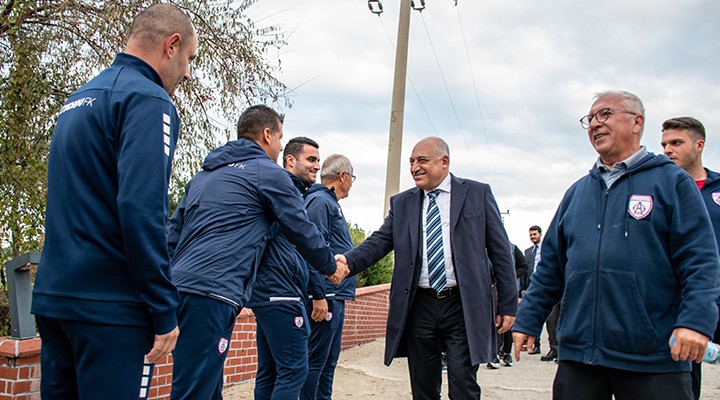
(342, 270)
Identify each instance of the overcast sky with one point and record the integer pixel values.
(503, 82)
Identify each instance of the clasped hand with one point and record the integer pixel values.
(342, 270)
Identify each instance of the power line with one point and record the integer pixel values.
(477, 96)
(447, 90)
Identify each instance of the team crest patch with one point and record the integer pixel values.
(640, 206)
(716, 198)
(299, 321)
(328, 316)
(223, 345)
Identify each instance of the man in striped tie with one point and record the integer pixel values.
(441, 294)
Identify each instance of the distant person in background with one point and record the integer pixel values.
(532, 258)
(683, 140)
(217, 237)
(505, 340)
(632, 255)
(327, 301)
(103, 300)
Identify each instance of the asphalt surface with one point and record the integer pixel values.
(361, 375)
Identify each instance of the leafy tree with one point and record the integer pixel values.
(48, 48)
(381, 271)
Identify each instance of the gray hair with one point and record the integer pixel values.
(333, 166)
(628, 100)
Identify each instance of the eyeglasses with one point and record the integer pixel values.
(600, 116)
(351, 176)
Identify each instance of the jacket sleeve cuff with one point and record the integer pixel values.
(164, 323)
(317, 285)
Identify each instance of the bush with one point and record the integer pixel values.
(381, 271)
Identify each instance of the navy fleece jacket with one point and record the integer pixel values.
(219, 231)
(630, 264)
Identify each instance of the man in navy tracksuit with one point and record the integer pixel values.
(217, 238)
(278, 294)
(327, 301)
(102, 298)
(632, 257)
(683, 141)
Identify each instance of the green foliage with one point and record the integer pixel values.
(381, 271)
(50, 48)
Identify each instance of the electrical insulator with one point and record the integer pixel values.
(375, 6)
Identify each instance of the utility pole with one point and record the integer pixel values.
(392, 177)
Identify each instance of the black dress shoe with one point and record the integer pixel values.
(535, 349)
(550, 356)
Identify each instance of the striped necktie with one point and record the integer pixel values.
(435, 254)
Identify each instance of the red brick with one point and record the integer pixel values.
(9, 373)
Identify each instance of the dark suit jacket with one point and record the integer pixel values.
(525, 282)
(475, 225)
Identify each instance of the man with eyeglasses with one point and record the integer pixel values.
(217, 237)
(631, 253)
(683, 141)
(327, 301)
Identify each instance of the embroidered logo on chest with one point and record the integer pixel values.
(716, 198)
(640, 206)
(223, 345)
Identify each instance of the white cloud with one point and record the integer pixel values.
(535, 67)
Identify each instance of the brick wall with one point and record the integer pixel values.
(365, 320)
(19, 369)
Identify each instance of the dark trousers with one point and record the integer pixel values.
(323, 353)
(206, 326)
(282, 345)
(91, 361)
(588, 382)
(551, 326)
(696, 379)
(434, 325)
(505, 342)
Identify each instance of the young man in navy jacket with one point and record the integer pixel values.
(632, 257)
(683, 141)
(217, 238)
(103, 299)
(278, 294)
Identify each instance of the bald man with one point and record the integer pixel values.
(441, 295)
(103, 300)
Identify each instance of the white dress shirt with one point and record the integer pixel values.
(443, 201)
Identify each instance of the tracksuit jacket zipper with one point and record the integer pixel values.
(596, 287)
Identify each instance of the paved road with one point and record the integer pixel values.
(361, 375)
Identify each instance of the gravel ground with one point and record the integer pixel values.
(361, 375)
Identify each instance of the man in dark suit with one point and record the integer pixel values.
(446, 305)
(532, 253)
(532, 257)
